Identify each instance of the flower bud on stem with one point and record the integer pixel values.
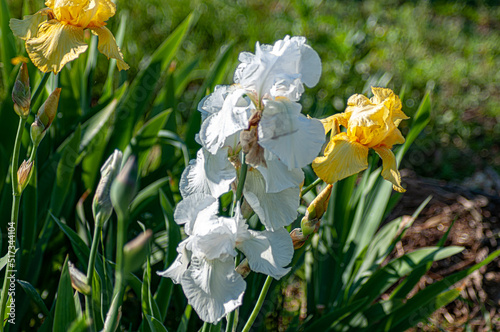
(21, 93)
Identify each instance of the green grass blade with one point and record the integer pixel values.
(65, 312)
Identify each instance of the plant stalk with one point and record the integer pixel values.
(258, 305)
(309, 187)
(239, 194)
(112, 316)
(89, 307)
(16, 199)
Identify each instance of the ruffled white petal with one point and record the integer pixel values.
(194, 208)
(275, 210)
(208, 174)
(213, 288)
(269, 252)
(277, 175)
(212, 103)
(180, 265)
(232, 117)
(215, 239)
(279, 70)
(291, 136)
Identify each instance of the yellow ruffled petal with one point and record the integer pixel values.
(107, 46)
(333, 123)
(68, 11)
(56, 45)
(105, 10)
(342, 158)
(28, 26)
(389, 168)
(393, 137)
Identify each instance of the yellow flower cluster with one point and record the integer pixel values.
(54, 35)
(371, 124)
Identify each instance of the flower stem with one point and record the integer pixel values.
(239, 194)
(258, 305)
(309, 187)
(112, 316)
(16, 199)
(89, 308)
(39, 88)
(241, 182)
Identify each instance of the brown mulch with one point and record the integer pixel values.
(475, 207)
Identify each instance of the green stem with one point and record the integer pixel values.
(309, 187)
(89, 308)
(39, 88)
(119, 273)
(239, 194)
(258, 305)
(16, 199)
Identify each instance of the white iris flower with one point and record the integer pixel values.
(205, 264)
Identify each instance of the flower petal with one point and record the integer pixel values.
(291, 136)
(213, 288)
(390, 168)
(280, 69)
(193, 208)
(180, 265)
(342, 158)
(269, 252)
(28, 26)
(215, 239)
(232, 117)
(208, 174)
(107, 46)
(277, 175)
(275, 210)
(55, 45)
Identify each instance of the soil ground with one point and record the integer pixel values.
(475, 206)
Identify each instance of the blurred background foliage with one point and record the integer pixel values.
(451, 48)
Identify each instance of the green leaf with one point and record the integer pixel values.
(382, 279)
(119, 36)
(164, 290)
(8, 45)
(64, 173)
(34, 296)
(425, 311)
(428, 295)
(80, 325)
(146, 137)
(420, 120)
(155, 325)
(329, 320)
(147, 193)
(65, 312)
(141, 91)
(183, 326)
(93, 143)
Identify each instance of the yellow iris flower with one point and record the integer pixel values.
(371, 124)
(54, 35)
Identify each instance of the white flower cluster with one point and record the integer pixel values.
(259, 117)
